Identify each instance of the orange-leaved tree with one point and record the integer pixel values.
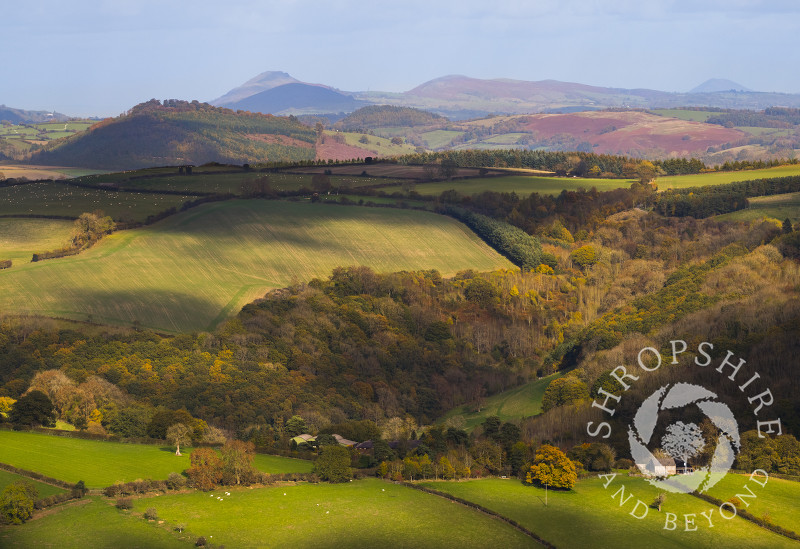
(551, 466)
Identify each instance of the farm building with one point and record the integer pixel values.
(658, 467)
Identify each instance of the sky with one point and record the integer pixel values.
(101, 57)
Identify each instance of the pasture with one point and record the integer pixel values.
(511, 405)
(43, 490)
(380, 146)
(100, 463)
(587, 516)
(91, 522)
(778, 206)
(17, 171)
(60, 199)
(364, 513)
(720, 178)
(20, 238)
(193, 270)
(778, 499)
(523, 185)
(437, 139)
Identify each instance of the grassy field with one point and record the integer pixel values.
(91, 523)
(42, 172)
(511, 405)
(366, 513)
(381, 146)
(191, 271)
(520, 184)
(439, 138)
(20, 238)
(719, 178)
(588, 516)
(101, 464)
(65, 200)
(778, 206)
(778, 499)
(44, 490)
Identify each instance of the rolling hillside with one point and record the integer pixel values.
(195, 269)
(179, 132)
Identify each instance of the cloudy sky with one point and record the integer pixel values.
(100, 57)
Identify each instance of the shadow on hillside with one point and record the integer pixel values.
(160, 310)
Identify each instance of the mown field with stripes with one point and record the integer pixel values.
(193, 270)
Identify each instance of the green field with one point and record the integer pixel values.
(91, 523)
(587, 516)
(719, 178)
(193, 270)
(778, 499)
(65, 200)
(439, 138)
(366, 513)
(20, 238)
(778, 206)
(511, 405)
(520, 184)
(43, 490)
(101, 464)
(381, 146)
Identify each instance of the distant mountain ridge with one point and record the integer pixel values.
(298, 98)
(459, 97)
(16, 116)
(715, 85)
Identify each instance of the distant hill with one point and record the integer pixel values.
(461, 97)
(715, 85)
(180, 132)
(298, 98)
(263, 82)
(382, 116)
(17, 116)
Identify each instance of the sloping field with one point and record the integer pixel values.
(778, 206)
(511, 405)
(193, 270)
(366, 513)
(100, 464)
(21, 238)
(623, 132)
(587, 516)
(719, 178)
(65, 200)
(523, 185)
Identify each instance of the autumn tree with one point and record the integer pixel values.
(551, 466)
(562, 391)
(6, 404)
(178, 434)
(206, 469)
(16, 501)
(237, 459)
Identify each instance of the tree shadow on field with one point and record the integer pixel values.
(159, 310)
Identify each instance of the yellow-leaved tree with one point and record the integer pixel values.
(551, 466)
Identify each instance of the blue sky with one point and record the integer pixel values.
(100, 57)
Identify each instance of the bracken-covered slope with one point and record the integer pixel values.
(180, 132)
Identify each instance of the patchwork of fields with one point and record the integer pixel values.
(100, 464)
(193, 270)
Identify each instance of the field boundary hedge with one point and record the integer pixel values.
(482, 509)
(780, 530)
